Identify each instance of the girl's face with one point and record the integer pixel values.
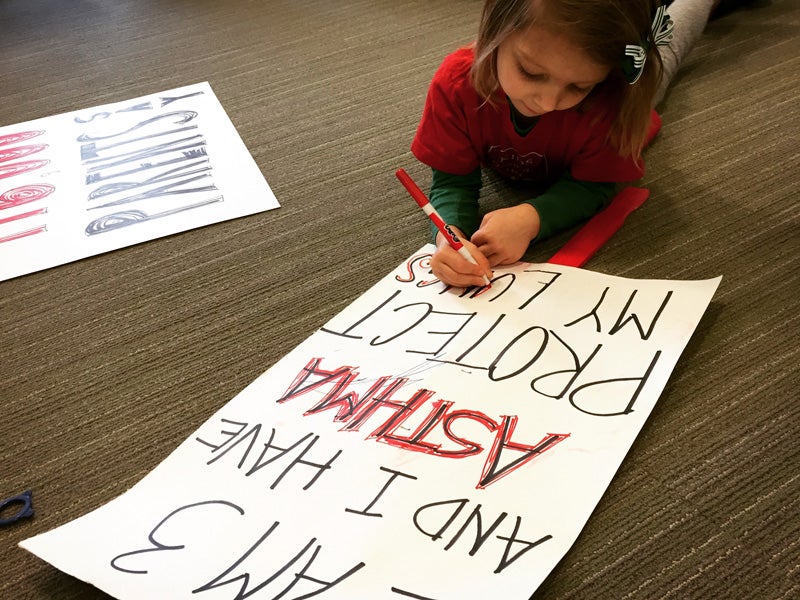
(541, 71)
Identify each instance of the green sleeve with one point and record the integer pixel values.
(569, 201)
(455, 198)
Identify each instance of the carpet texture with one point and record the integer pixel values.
(107, 364)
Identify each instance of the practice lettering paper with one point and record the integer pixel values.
(427, 442)
(91, 181)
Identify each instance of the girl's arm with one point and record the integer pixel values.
(455, 198)
(506, 233)
(568, 202)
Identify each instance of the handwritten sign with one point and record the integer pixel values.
(426, 443)
(87, 182)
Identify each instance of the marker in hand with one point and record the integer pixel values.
(425, 204)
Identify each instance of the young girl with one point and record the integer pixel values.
(556, 92)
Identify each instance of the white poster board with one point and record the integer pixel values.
(426, 443)
(82, 183)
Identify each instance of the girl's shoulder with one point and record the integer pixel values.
(454, 71)
(460, 60)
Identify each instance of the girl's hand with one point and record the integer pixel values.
(453, 269)
(505, 234)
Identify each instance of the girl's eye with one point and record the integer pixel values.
(539, 77)
(530, 76)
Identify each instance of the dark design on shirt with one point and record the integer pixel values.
(507, 162)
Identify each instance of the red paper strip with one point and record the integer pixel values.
(655, 127)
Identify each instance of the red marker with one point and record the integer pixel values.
(425, 204)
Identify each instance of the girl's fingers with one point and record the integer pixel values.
(453, 269)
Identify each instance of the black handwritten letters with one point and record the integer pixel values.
(553, 366)
(429, 442)
(292, 456)
(430, 337)
(243, 576)
(145, 162)
(145, 157)
(132, 171)
(514, 548)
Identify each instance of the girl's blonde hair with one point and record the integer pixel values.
(602, 29)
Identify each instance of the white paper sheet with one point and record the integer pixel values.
(425, 443)
(82, 183)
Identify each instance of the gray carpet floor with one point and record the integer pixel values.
(108, 363)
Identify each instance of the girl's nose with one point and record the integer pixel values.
(548, 101)
(548, 98)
